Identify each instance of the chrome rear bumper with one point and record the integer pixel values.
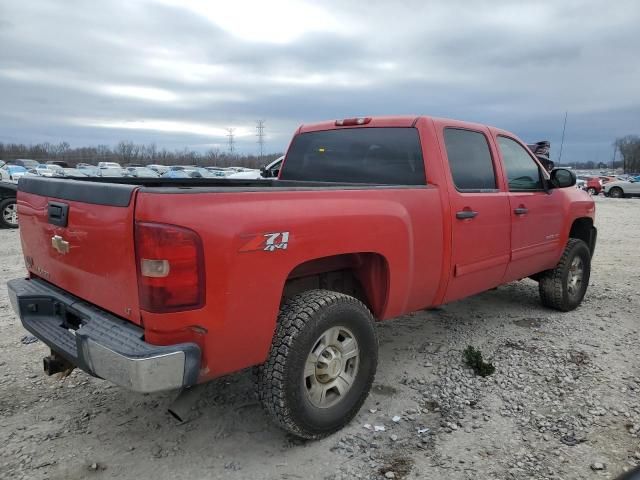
(100, 343)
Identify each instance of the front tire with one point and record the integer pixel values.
(321, 365)
(591, 191)
(9, 213)
(564, 287)
(616, 192)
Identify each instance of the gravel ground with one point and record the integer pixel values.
(562, 403)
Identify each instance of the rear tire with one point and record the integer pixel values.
(591, 191)
(564, 287)
(616, 192)
(9, 213)
(322, 363)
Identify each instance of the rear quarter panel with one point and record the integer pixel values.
(244, 288)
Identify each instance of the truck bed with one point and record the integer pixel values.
(116, 191)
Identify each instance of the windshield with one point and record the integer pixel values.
(356, 155)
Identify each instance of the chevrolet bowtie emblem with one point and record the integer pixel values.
(60, 244)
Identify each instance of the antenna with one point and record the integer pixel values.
(564, 127)
(231, 137)
(260, 135)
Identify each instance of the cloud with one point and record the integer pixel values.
(179, 72)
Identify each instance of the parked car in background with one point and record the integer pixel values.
(89, 170)
(158, 168)
(141, 172)
(11, 173)
(60, 163)
(593, 185)
(109, 165)
(189, 172)
(8, 206)
(622, 188)
(72, 172)
(111, 172)
(218, 171)
(25, 162)
(268, 171)
(176, 174)
(45, 170)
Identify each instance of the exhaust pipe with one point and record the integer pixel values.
(183, 404)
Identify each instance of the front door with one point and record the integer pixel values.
(536, 220)
(480, 244)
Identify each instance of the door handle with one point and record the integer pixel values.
(463, 214)
(521, 210)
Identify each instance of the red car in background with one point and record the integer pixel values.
(594, 185)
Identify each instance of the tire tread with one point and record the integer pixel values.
(294, 316)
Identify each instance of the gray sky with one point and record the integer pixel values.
(177, 72)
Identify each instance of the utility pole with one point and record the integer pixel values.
(613, 162)
(260, 135)
(564, 127)
(231, 137)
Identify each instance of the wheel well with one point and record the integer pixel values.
(361, 275)
(582, 229)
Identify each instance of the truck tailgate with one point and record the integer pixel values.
(79, 236)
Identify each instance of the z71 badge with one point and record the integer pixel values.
(267, 242)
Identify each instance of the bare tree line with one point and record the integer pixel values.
(126, 152)
(629, 148)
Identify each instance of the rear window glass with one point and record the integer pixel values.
(469, 160)
(356, 155)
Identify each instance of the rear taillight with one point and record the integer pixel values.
(170, 264)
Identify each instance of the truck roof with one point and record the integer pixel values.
(387, 121)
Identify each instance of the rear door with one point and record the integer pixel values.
(536, 217)
(79, 236)
(479, 210)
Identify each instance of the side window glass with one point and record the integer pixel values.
(469, 160)
(523, 172)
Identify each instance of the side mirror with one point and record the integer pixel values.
(263, 171)
(562, 178)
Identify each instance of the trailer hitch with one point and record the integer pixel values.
(54, 363)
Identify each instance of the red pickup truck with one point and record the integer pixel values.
(158, 284)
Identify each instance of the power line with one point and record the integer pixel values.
(260, 135)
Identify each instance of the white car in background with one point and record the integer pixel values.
(109, 165)
(11, 173)
(270, 171)
(622, 188)
(49, 170)
(160, 169)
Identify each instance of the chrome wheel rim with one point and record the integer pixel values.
(575, 276)
(10, 214)
(331, 367)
